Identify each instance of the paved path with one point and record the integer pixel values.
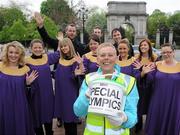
(60, 131)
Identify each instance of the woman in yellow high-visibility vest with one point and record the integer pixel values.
(103, 124)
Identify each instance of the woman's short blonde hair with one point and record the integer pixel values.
(20, 49)
(106, 44)
(67, 41)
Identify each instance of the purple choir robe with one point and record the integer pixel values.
(90, 63)
(163, 116)
(66, 90)
(128, 68)
(42, 94)
(144, 94)
(15, 116)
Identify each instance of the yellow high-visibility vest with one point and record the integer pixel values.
(97, 124)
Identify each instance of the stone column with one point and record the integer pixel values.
(171, 36)
(82, 37)
(157, 38)
(106, 35)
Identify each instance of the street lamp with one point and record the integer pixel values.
(83, 15)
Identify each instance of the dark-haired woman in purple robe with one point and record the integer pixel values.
(42, 95)
(90, 59)
(163, 116)
(66, 86)
(15, 116)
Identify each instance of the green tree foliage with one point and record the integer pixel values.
(17, 31)
(96, 18)
(32, 32)
(51, 27)
(59, 11)
(15, 26)
(174, 22)
(155, 21)
(4, 34)
(9, 15)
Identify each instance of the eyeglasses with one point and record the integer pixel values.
(168, 52)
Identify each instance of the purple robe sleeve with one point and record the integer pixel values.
(53, 57)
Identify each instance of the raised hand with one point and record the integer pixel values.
(60, 36)
(152, 65)
(31, 77)
(147, 68)
(137, 64)
(79, 71)
(78, 58)
(39, 19)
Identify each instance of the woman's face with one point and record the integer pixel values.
(37, 49)
(123, 50)
(167, 53)
(93, 45)
(65, 49)
(144, 47)
(106, 59)
(13, 55)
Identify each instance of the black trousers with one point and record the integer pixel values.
(70, 128)
(48, 129)
(139, 124)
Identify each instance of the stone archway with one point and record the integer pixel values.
(133, 13)
(129, 31)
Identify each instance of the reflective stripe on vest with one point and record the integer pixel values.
(95, 126)
(97, 129)
(114, 132)
(119, 132)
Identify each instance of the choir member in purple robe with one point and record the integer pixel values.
(42, 95)
(125, 61)
(145, 57)
(66, 86)
(90, 59)
(15, 116)
(163, 116)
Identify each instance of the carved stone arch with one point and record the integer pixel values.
(133, 13)
(130, 24)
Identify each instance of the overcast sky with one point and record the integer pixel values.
(163, 5)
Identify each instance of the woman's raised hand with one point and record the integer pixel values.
(39, 19)
(31, 77)
(137, 64)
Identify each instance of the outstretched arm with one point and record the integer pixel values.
(43, 33)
